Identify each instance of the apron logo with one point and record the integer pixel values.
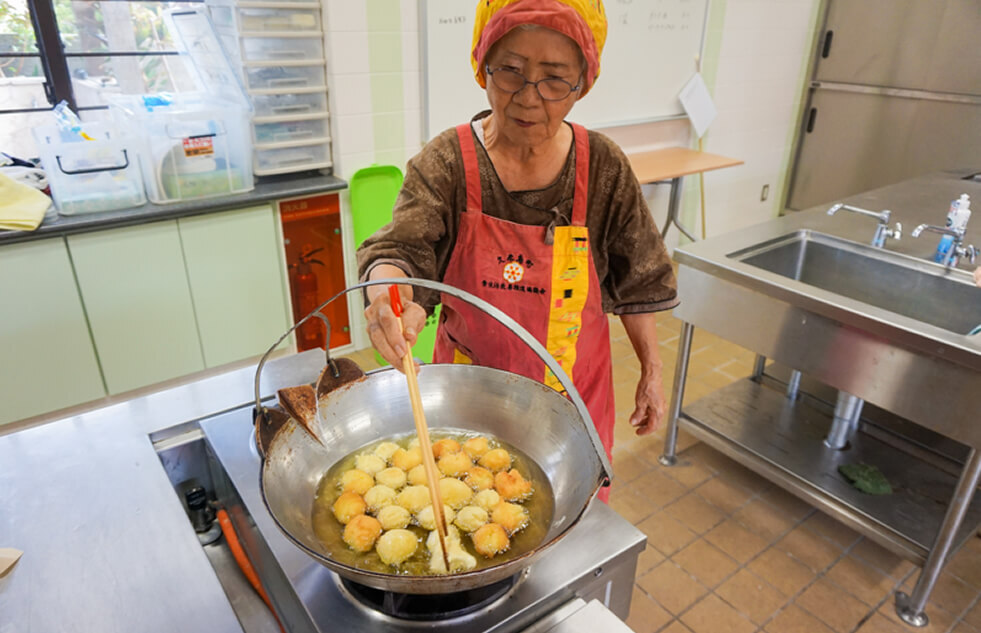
(513, 272)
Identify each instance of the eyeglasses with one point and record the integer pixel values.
(549, 89)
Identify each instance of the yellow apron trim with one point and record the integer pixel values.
(570, 288)
(459, 358)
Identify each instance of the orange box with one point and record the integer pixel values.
(315, 260)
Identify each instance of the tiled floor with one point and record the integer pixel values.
(729, 551)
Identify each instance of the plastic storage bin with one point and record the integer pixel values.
(259, 21)
(294, 103)
(285, 77)
(90, 176)
(295, 157)
(292, 129)
(196, 146)
(281, 48)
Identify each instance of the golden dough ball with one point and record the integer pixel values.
(348, 506)
(512, 486)
(490, 540)
(378, 497)
(394, 517)
(470, 518)
(444, 446)
(475, 447)
(460, 559)
(417, 476)
(385, 450)
(361, 532)
(479, 478)
(510, 516)
(454, 492)
(495, 459)
(396, 546)
(407, 459)
(413, 498)
(392, 477)
(370, 464)
(487, 499)
(413, 443)
(426, 519)
(454, 464)
(355, 480)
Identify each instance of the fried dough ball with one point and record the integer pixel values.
(355, 480)
(454, 464)
(413, 443)
(490, 540)
(392, 477)
(454, 492)
(417, 476)
(361, 533)
(394, 517)
(475, 447)
(510, 516)
(378, 497)
(487, 499)
(460, 559)
(395, 546)
(385, 450)
(370, 464)
(495, 459)
(470, 518)
(407, 459)
(445, 446)
(348, 506)
(426, 519)
(479, 478)
(512, 486)
(413, 498)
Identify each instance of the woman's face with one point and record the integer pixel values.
(524, 118)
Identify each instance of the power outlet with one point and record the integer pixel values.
(764, 193)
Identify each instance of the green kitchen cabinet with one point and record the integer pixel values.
(48, 359)
(237, 281)
(134, 286)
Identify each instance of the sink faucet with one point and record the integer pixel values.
(882, 230)
(956, 250)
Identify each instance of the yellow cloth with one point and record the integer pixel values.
(584, 21)
(21, 207)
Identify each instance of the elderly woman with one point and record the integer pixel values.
(534, 214)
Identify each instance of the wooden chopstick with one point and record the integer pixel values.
(425, 446)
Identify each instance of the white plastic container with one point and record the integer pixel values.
(90, 176)
(289, 104)
(197, 146)
(291, 129)
(292, 157)
(285, 77)
(306, 46)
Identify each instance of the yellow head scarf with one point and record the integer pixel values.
(582, 20)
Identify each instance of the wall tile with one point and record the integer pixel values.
(384, 15)
(351, 94)
(385, 52)
(355, 133)
(344, 15)
(348, 52)
(386, 92)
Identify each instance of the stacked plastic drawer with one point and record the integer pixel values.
(279, 47)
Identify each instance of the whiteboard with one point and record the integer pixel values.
(648, 58)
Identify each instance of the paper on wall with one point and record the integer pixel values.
(697, 101)
(8, 556)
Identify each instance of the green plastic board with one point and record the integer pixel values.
(373, 193)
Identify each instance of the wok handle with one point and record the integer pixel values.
(496, 313)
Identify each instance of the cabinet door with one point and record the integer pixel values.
(135, 291)
(236, 277)
(48, 359)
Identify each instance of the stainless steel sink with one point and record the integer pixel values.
(898, 283)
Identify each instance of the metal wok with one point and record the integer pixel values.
(354, 409)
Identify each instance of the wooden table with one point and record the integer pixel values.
(671, 164)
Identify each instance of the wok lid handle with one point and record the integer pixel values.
(490, 310)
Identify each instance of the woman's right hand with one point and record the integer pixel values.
(383, 326)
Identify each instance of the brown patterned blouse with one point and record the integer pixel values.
(630, 258)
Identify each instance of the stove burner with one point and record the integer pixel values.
(426, 606)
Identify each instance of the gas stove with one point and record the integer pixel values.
(597, 559)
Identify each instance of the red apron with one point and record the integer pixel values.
(551, 290)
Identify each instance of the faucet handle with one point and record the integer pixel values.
(896, 233)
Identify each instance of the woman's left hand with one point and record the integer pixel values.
(650, 404)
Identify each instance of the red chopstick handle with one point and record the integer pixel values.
(393, 294)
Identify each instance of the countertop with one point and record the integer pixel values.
(105, 539)
(268, 188)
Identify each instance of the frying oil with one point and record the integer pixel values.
(329, 530)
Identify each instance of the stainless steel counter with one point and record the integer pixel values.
(105, 539)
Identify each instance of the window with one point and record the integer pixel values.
(79, 51)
